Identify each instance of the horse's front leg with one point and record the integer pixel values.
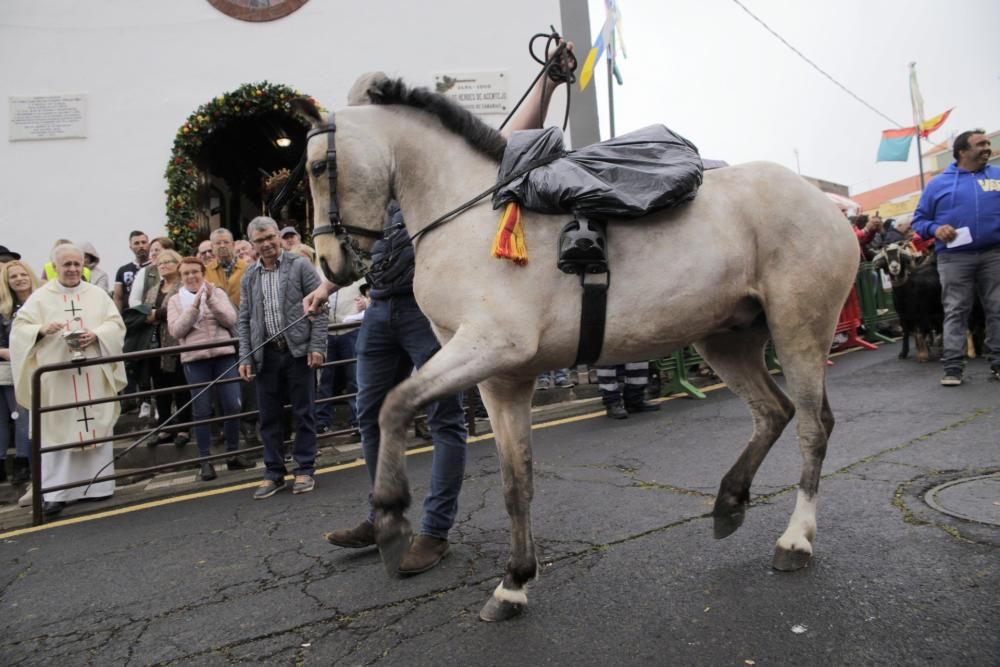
(459, 364)
(509, 405)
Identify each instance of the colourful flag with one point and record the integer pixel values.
(934, 123)
(605, 41)
(587, 72)
(895, 145)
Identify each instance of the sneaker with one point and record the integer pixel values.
(359, 537)
(543, 384)
(207, 472)
(303, 484)
(145, 410)
(268, 488)
(995, 370)
(564, 383)
(26, 499)
(951, 380)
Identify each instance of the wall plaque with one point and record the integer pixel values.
(47, 117)
(479, 92)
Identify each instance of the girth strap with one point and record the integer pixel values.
(593, 315)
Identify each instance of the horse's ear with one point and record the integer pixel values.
(364, 89)
(307, 109)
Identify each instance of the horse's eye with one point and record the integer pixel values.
(318, 167)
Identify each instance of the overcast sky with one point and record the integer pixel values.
(709, 71)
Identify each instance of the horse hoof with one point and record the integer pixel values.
(393, 535)
(787, 560)
(727, 524)
(500, 610)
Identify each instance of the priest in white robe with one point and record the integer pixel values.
(38, 338)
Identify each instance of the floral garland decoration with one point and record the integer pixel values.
(248, 100)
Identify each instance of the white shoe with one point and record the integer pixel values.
(145, 410)
(25, 500)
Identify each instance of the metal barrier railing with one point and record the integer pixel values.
(37, 410)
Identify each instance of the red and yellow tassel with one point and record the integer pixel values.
(509, 241)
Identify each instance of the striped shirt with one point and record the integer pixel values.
(272, 301)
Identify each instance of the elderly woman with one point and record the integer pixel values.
(70, 320)
(201, 313)
(166, 371)
(17, 282)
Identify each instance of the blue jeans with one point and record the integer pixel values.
(206, 370)
(12, 412)
(280, 377)
(337, 380)
(396, 337)
(963, 275)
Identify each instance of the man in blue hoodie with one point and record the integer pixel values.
(961, 209)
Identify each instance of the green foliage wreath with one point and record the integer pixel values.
(248, 100)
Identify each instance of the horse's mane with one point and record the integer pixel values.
(479, 135)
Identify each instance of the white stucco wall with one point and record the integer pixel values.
(147, 64)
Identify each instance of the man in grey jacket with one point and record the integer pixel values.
(271, 294)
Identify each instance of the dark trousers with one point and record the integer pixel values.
(280, 377)
(337, 380)
(206, 370)
(963, 276)
(166, 402)
(395, 336)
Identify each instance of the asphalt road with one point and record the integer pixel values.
(631, 572)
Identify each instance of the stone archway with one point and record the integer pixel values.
(226, 156)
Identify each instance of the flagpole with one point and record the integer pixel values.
(920, 159)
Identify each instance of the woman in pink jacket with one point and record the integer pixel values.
(201, 313)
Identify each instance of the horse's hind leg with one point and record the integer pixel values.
(802, 346)
(509, 405)
(738, 358)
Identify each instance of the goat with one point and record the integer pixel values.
(916, 291)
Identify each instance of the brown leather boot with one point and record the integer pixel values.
(424, 553)
(359, 537)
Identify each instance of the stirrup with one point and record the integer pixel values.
(583, 247)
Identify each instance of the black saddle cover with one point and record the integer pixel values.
(625, 177)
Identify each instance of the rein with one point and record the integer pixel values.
(193, 399)
(356, 256)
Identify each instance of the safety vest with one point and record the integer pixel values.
(50, 272)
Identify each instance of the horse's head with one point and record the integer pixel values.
(348, 170)
(896, 260)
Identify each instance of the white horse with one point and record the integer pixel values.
(759, 254)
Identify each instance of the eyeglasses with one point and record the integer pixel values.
(264, 239)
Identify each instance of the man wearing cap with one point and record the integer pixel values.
(290, 238)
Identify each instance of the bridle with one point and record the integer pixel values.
(355, 255)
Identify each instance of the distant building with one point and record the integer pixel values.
(901, 197)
